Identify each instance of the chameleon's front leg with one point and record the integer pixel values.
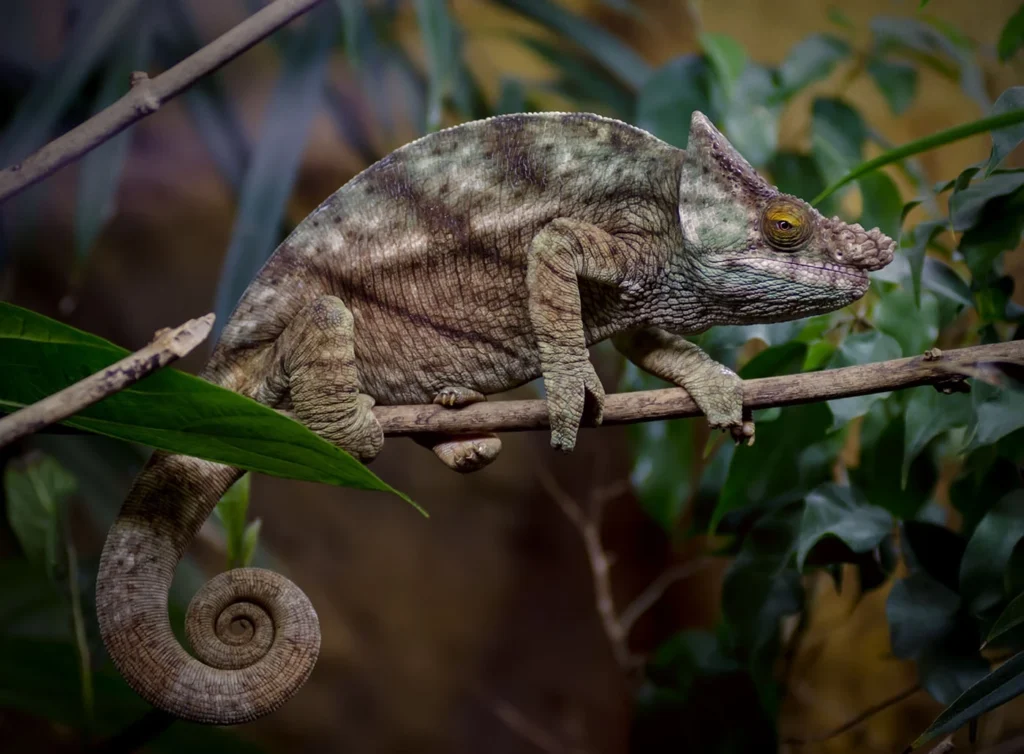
(561, 254)
(716, 389)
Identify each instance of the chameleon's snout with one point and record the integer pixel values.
(852, 245)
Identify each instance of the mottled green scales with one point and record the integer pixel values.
(464, 264)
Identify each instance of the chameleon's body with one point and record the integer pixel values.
(466, 263)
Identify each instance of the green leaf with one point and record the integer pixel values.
(169, 410)
(935, 549)
(810, 60)
(1005, 140)
(882, 204)
(796, 174)
(670, 96)
(988, 552)
(511, 97)
(997, 413)
(751, 117)
(584, 81)
(37, 115)
(727, 56)
(915, 244)
(998, 228)
(838, 134)
(832, 511)
(770, 469)
(250, 538)
(929, 413)
(297, 98)
(37, 493)
(879, 473)
(355, 25)
(441, 40)
(1012, 38)
(941, 138)
(861, 348)
(998, 687)
(232, 510)
(686, 656)
(921, 612)
(942, 280)
(607, 49)
(100, 169)
(1009, 619)
(914, 328)
(896, 80)
(966, 206)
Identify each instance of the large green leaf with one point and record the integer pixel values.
(882, 204)
(751, 115)
(833, 511)
(988, 552)
(838, 134)
(862, 348)
(727, 56)
(296, 99)
(998, 687)
(771, 470)
(929, 413)
(967, 205)
(168, 410)
(914, 327)
(920, 612)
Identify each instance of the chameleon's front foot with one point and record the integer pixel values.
(722, 404)
(574, 390)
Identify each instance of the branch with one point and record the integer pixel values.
(147, 95)
(168, 346)
(675, 403)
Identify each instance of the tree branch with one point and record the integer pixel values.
(147, 95)
(674, 403)
(168, 345)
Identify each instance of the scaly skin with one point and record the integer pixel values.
(464, 264)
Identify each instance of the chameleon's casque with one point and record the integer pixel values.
(464, 264)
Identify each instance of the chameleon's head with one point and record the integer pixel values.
(766, 255)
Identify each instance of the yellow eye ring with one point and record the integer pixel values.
(786, 224)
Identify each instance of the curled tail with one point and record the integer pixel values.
(255, 634)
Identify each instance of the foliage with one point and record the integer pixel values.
(789, 507)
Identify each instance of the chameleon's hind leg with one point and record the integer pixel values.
(463, 453)
(317, 356)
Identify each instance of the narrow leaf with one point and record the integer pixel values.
(1009, 619)
(297, 98)
(989, 550)
(37, 492)
(440, 38)
(998, 687)
(950, 135)
(810, 60)
(100, 169)
(36, 116)
(896, 80)
(169, 410)
(607, 49)
(232, 510)
(1012, 38)
(1006, 140)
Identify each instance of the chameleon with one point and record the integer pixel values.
(470, 261)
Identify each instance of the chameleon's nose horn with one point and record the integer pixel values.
(852, 245)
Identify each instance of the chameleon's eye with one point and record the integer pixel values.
(786, 224)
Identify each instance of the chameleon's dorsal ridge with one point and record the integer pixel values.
(464, 264)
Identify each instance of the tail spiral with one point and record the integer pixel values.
(255, 634)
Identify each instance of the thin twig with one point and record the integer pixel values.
(675, 403)
(520, 724)
(649, 597)
(854, 722)
(589, 528)
(168, 346)
(147, 95)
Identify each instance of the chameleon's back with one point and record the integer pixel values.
(428, 246)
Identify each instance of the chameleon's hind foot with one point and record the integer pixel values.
(463, 453)
(457, 397)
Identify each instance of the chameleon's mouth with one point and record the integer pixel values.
(830, 276)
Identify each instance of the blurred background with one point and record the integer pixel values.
(478, 629)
